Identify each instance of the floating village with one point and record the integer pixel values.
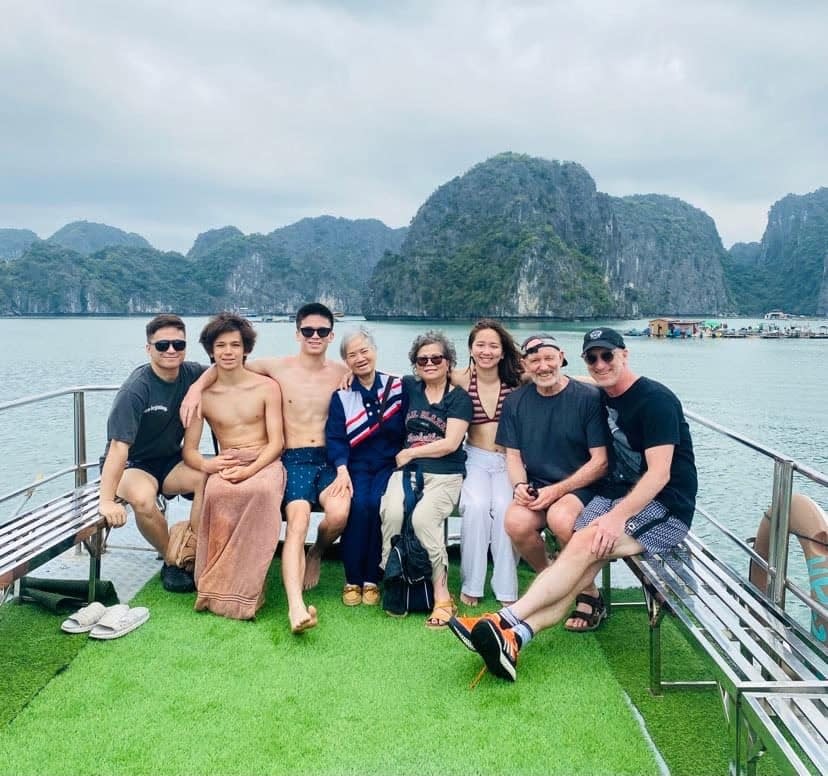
(776, 325)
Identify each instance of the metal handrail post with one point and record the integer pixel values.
(780, 518)
(80, 438)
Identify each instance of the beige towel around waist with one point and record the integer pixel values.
(237, 538)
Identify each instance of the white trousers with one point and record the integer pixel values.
(486, 494)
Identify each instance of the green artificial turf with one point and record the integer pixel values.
(31, 653)
(687, 726)
(192, 693)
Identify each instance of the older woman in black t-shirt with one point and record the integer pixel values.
(436, 422)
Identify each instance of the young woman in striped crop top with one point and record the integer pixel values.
(493, 373)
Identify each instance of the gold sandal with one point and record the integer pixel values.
(442, 612)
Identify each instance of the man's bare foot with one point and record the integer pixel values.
(305, 621)
(469, 600)
(313, 563)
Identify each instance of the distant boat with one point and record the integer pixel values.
(776, 315)
(338, 314)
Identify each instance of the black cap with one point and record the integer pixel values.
(603, 338)
(540, 340)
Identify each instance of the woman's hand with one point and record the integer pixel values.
(404, 457)
(342, 485)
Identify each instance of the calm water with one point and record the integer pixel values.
(770, 390)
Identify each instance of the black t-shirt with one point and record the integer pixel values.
(649, 414)
(553, 433)
(144, 412)
(425, 422)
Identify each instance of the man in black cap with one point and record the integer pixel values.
(645, 505)
(556, 448)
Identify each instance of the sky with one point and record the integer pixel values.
(172, 118)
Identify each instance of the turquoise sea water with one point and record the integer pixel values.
(773, 391)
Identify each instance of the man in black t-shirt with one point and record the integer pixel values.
(143, 451)
(556, 448)
(646, 503)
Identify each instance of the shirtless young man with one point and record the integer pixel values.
(241, 518)
(307, 380)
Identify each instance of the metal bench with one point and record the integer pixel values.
(35, 537)
(771, 674)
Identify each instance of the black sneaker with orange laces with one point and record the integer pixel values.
(463, 626)
(497, 646)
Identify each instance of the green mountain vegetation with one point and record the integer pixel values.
(788, 270)
(328, 259)
(86, 237)
(518, 236)
(515, 236)
(14, 241)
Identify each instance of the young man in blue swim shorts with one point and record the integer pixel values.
(307, 380)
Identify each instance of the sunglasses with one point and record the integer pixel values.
(605, 355)
(308, 331)
(423, 360)
(162, 346)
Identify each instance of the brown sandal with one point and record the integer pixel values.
(591, 619)
(442, 612)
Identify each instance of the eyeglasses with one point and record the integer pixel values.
(423, 360)
(162, 346)
(308, 331)
(605, 355)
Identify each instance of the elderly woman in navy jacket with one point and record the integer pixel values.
(364, 432)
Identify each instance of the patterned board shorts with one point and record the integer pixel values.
(308, 474)
(654, 528)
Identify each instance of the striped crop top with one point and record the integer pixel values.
(480, 417)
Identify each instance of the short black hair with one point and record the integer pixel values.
(313, 308)
(163, 321)
(222, 324)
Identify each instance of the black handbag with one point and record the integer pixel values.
(407, 585)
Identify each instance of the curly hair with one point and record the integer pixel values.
(509, 368)
(434, 337)
(222, 324)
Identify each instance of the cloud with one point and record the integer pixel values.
(172, 118)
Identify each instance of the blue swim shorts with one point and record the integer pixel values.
(308, 474)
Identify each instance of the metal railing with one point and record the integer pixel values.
(776, 565)
(81, 465)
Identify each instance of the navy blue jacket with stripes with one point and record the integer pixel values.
(353, 435)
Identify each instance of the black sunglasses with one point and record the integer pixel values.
(162, 346)
(605, 355)
(423, 360)
(308, 331)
